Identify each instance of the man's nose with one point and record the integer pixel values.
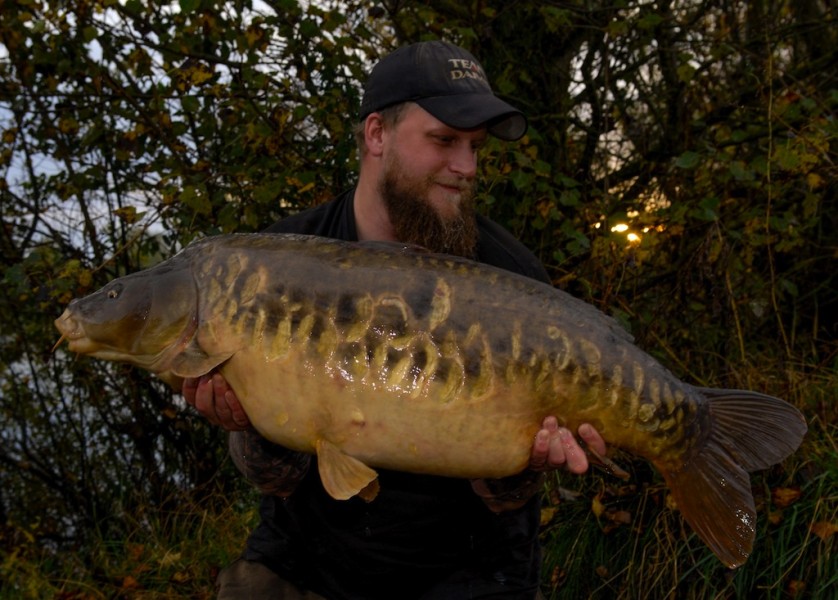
(463, 161)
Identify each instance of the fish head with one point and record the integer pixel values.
(144, 318)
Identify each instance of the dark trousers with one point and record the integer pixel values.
(249, 580)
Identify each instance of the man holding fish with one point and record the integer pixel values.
(426, 111)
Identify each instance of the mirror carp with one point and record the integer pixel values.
(385, 355)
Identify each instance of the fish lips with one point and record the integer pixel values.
(72, 330)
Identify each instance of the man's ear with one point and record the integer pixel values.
(374, 134)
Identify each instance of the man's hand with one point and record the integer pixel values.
(555, 447)
(213, 398)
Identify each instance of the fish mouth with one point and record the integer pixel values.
(72, 331)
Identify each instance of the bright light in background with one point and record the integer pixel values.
(631, 236)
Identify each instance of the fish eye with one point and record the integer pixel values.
(113, 293)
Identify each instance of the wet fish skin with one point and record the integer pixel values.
(386, 356)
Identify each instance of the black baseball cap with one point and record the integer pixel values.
(446, 81)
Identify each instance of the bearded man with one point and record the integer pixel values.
(427, 109)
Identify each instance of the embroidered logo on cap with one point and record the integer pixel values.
(463, 68)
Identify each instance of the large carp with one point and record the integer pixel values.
(383, 355)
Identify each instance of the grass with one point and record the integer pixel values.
(605, 539)
(623, 540)
(655, 555)
(166, 555)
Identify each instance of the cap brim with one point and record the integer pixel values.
(468, 111)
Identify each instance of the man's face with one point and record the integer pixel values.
(427, 183)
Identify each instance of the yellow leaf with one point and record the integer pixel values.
(170, 558)
(547, 515)
(135, 552)
(602, 571)
(783, 497)
(85, 278)
(619, 516)
(824, 530)
(127, 214)
(181, 577)
(254, 34)
(775, 517)
(814, 180)
(68, 125)
(597, 507)
(795, 588)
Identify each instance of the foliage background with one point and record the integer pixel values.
(129, 128)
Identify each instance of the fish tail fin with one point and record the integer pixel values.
(749, 431)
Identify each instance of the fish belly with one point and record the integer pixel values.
(294, 404)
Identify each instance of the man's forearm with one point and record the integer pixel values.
(509, 493)
(274, 470)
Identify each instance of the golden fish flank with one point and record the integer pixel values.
(367, 337)
(377, 354)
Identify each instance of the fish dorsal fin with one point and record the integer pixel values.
(344, 476)
(403, 247)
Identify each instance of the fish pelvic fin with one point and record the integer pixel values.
(749, 431)
(344, 476)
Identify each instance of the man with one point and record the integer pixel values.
(427, 109)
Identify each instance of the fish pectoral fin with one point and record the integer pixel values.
(194, 362)
(173, 381)
(344, 476)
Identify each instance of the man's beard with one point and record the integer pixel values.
(415, 221)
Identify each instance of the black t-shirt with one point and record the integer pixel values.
(422, 536)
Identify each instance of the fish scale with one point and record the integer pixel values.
(387, 356)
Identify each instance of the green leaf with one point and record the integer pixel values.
(554, 18)
(708, 209)
(520, 179)
(569, 198)
(188, 6)
(196, 200)
(688, 160)
(686, 72)
(649, 21)
(133, 7)
(89, 33)
(190, 103)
